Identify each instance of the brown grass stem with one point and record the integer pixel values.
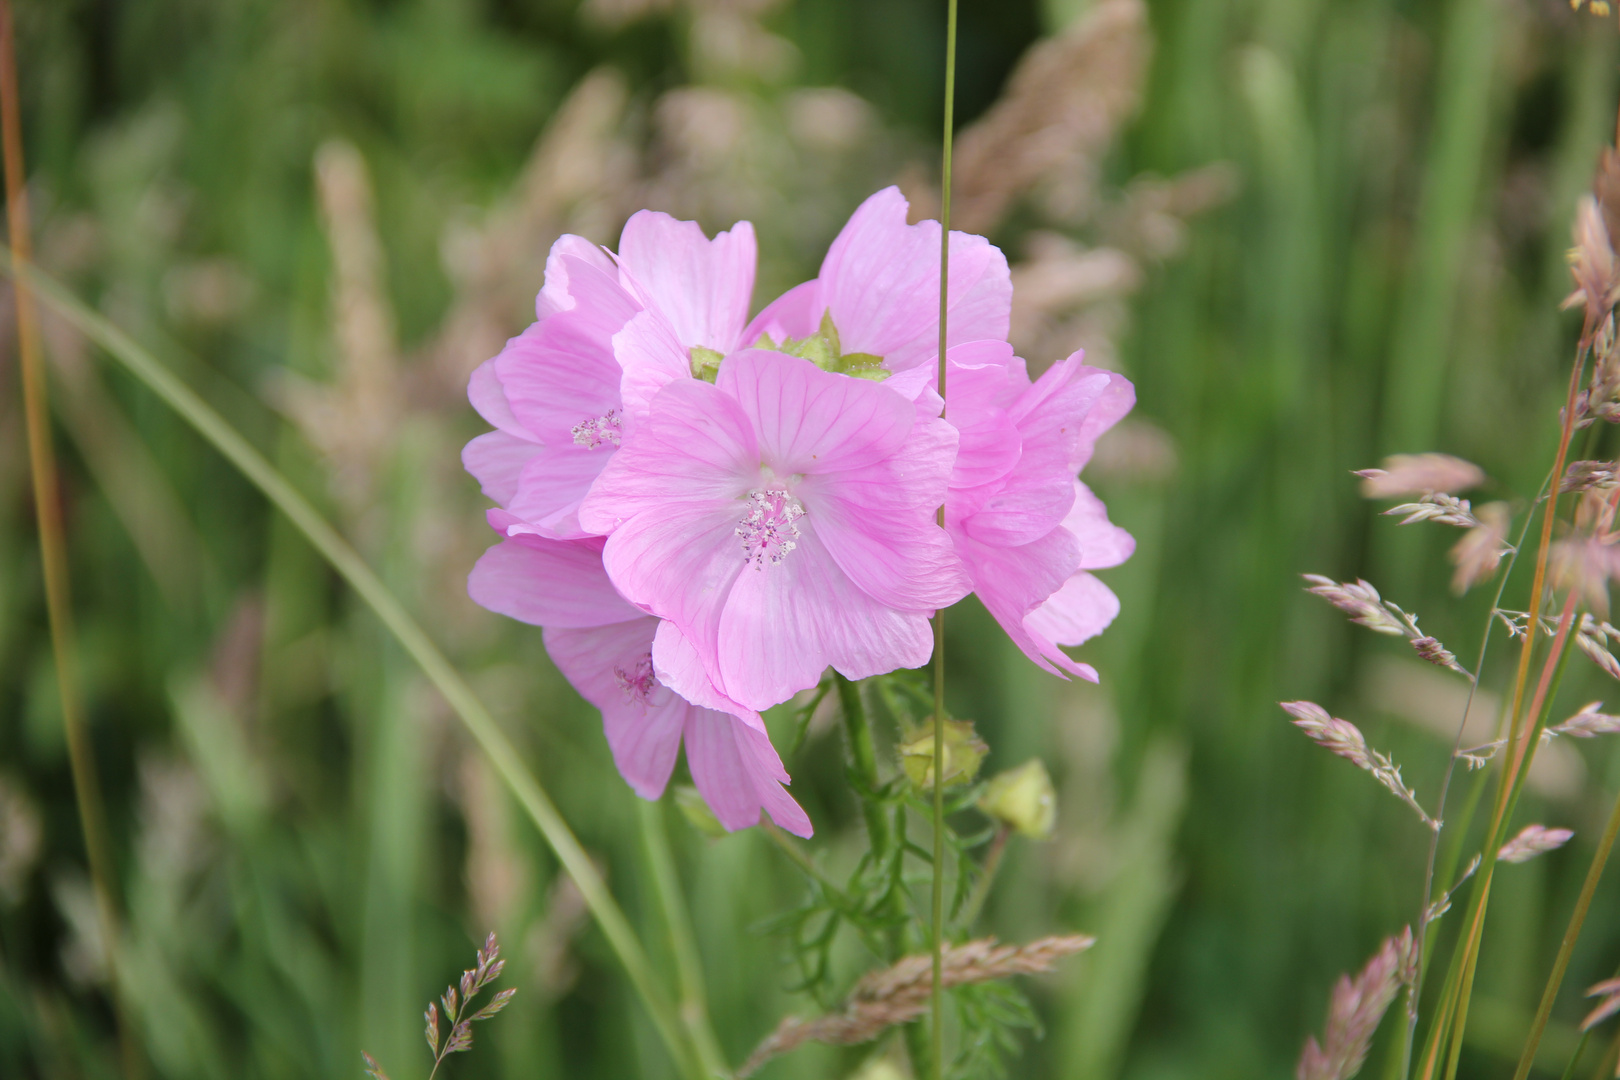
(938, 899)
(342, 556)
(53, 540)
(1566, 947)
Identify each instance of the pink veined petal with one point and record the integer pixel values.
(681, 564)
(879, 522)
(643, 721)
(794, 314)
(783, 623)
(695, 447)
(1102, 543)
(553, 483)
(1117, 399)
(1039, 490)
(1079, 611)
(496, 460)
(651, 357)
(555, 295)
(548, 583)
(562, 371)
(1014, 581)
(880, 280)
(739, 774)
(485, 393)
(702, 286)
(679, 667)
(809, 421)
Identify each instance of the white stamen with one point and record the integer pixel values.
(768, 533)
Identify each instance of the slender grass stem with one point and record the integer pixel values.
(937, 996)
(53, 542)
(694, 1002)
(1415, 991)
(406, 630)
(1467, 956)
(1554, 980)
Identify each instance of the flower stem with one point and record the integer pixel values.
(863, 763)
(693, 1003)
(53, 542)
(406, 630)
(1567, 946)
(938, 985)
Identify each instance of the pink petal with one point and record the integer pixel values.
(679, 667)
(783, 623)
(485, 393)
(562, 371)
(1102, 544)
(695, 447)
(496, 460)
(1117, 399)
(880, 280)
(879, 525)
(811, 421)
(1080, 610)
(739, 774)
(702, 287)
(553, 483)
(548, 583)
(643, 730)
(651, 357)
(1012, 582)
(555, 296)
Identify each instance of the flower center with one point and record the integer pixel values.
(768, 533)
(639, 682)
(597, 430)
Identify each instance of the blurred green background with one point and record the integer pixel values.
(1312, 231)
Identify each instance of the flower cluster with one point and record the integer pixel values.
(705, 511)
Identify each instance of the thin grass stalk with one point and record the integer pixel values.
(53, 543)
(1415, 990)
(938, 983)
(693, 1003)
(1466, 955)
(1554, 980)
(440, 672)
(1513, 777)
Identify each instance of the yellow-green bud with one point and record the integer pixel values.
(1023, 799)
(697, 811)
(964, 752)
(705, 363)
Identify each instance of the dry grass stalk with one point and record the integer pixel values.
(1532, 841)
(1419, 474)
(1064, 102)
(1345, 739)
(1355, 1010)
(901, 993)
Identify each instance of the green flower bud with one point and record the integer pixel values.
(964, 752)
(1023, 799)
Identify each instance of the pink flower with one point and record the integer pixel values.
(605, 647)
(879, 288)
(554, 393)
(782, 519)
(1026, 529)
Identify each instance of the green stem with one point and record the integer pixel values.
(439, 671)
(1567, 946)
(863, 762)
(937, 992)
(53, 543)
(693, 1003)
(987, 878)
